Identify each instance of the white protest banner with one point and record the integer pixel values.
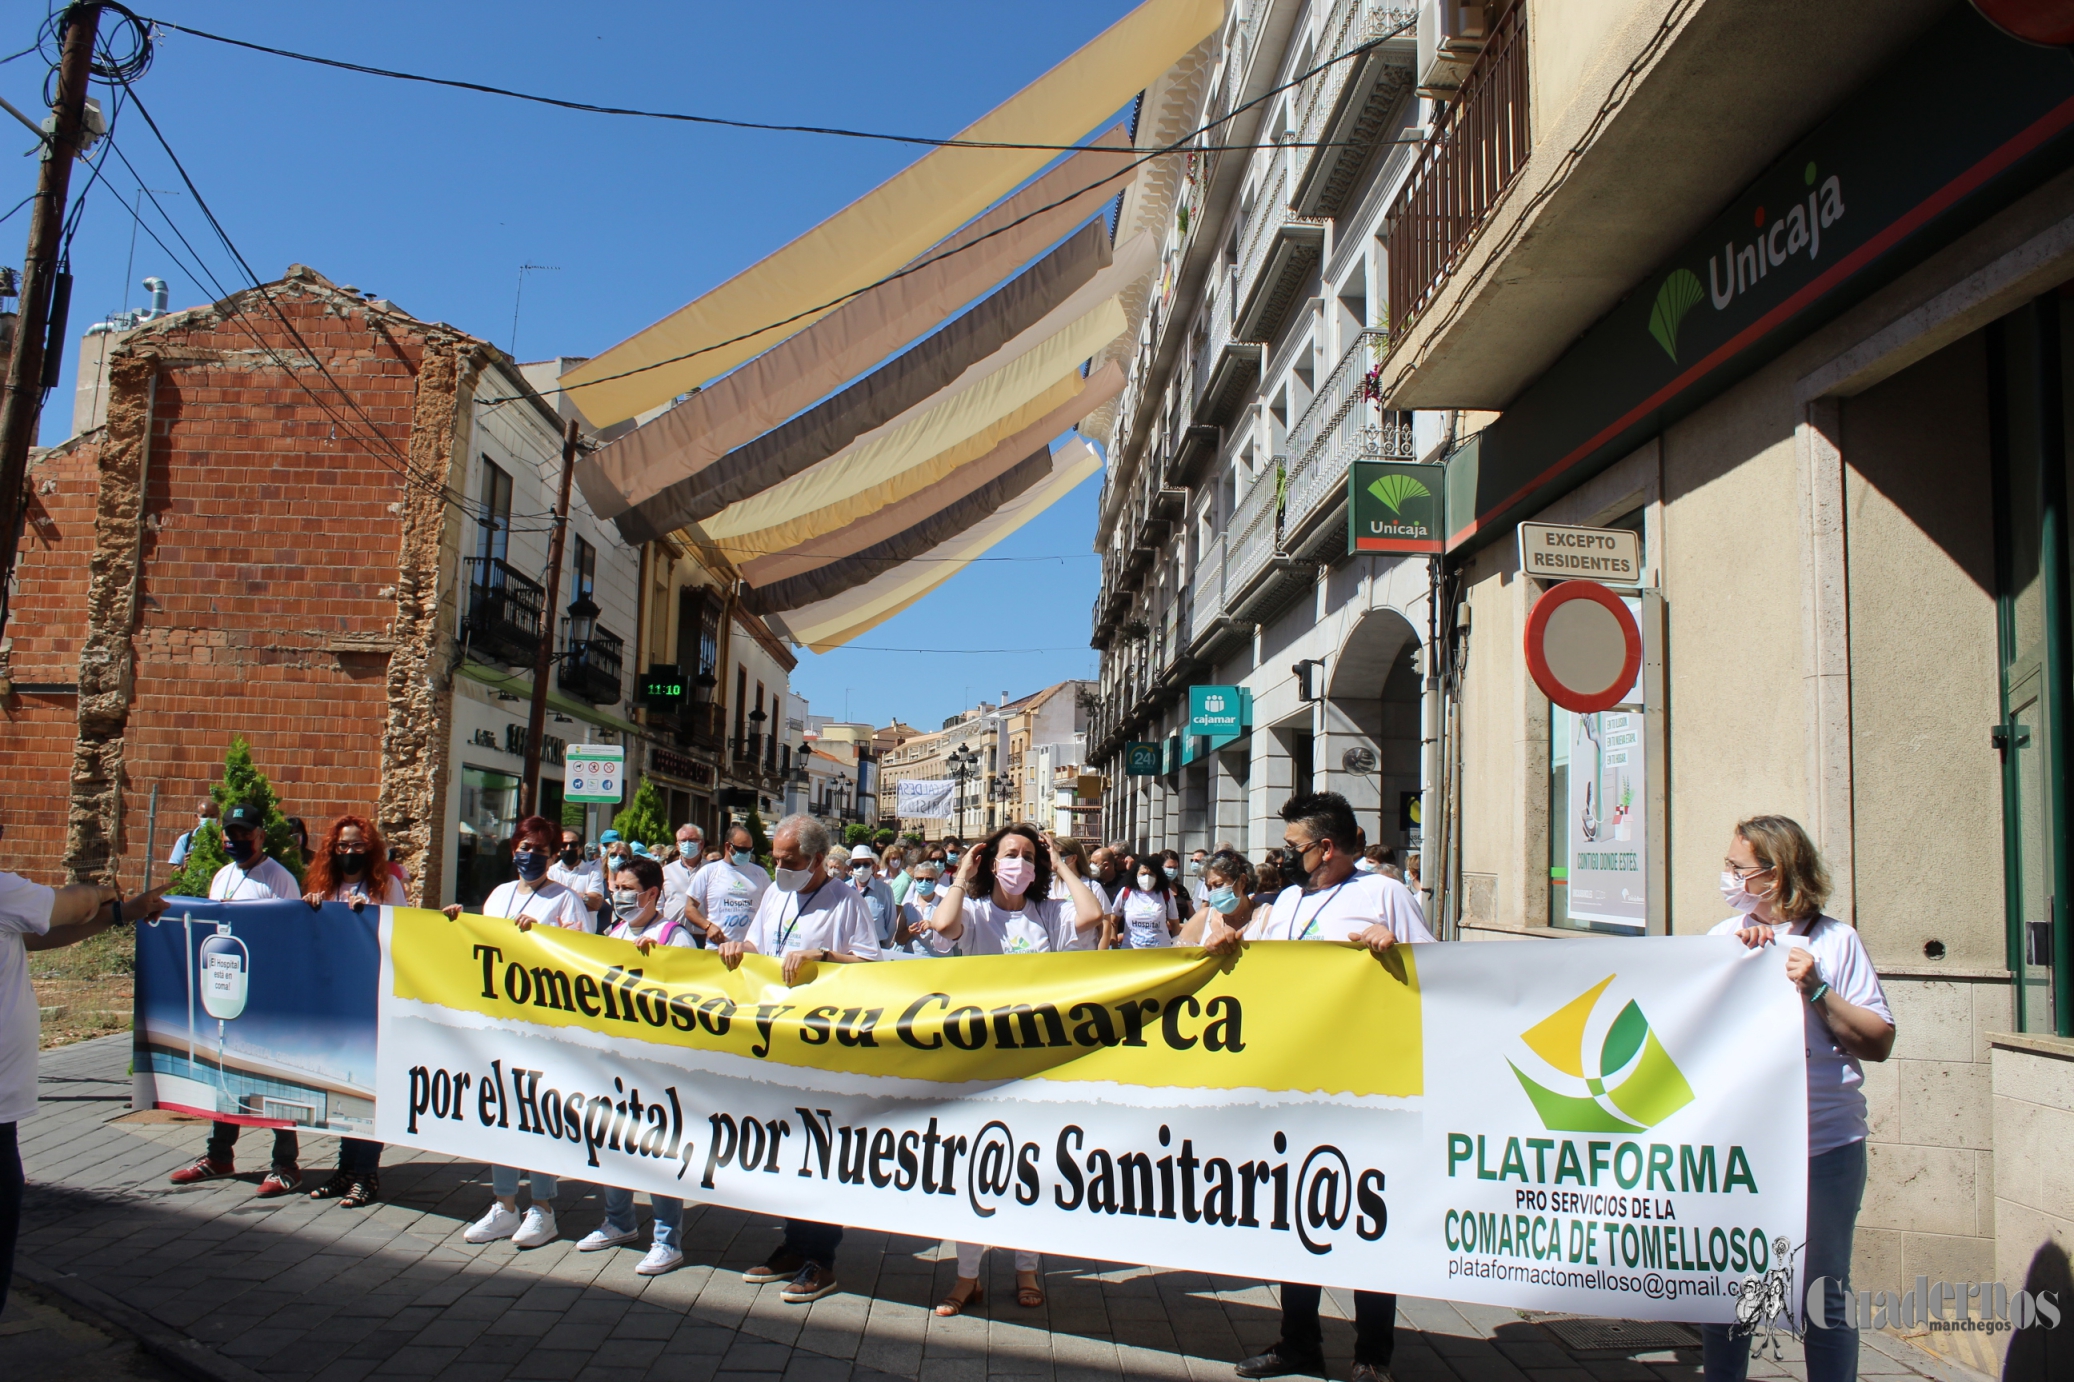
(1609, 1127)
(926, 799)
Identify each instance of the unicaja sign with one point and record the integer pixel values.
(1776, 237)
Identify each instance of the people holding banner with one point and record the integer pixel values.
(727, 888)
(250, 876)
(806, 919)
(1331, 902)
(1001, 904)
(1231, 896)
(35, 917)
(532, 899)
(636, 902)
(1774, 881)
(915, 939)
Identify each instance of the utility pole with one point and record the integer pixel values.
(27, 378)
(536, 717)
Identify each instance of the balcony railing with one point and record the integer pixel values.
(702, 726)
(1338, 426)
(590, 669)
(1207, 591)
(1254, 530)
(504, 611)
(1478, 146)
(1278, 250)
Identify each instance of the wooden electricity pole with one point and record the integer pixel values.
(536, 717)
(27, 378)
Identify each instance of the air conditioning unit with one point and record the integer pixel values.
(1451, 34)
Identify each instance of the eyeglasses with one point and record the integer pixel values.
(1746, 873)
(1300, 849)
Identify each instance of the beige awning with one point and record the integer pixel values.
(894, 222)
(854, 337)
(833, 622)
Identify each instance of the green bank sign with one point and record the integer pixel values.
(1395, 506)
(1219, 711)
(1142, 760)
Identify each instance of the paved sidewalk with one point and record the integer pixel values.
(296, 1289)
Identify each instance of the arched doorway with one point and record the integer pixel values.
(1369, 749)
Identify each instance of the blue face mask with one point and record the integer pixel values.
(951, 854)
(926, 886)
(744, 858)
(1224, 899)
(531, 864)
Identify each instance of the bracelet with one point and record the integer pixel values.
(1816, 996)
(116, 903)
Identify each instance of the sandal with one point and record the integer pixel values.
(1028, 1294)
(341, 1183)
(366, 1190)
(954, 1303)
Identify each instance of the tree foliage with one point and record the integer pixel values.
(645, 818)
(242, 781)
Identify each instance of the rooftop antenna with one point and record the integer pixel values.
(519, 296)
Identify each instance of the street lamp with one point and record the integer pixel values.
(756, 719)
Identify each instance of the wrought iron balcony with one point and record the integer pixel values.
(1342, 113)
(503, 621)
(702, 726)
(590, 669)
(1340, 426)
(1280, 250)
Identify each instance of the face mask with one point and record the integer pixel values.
(1173, 871)
(1224, 900)
(791, 880)
(240, 850)
(626, 903)
(1195, 868)
(1014, 875)
(1738, 897)
(926, 887)
(531, 865)
(861, 870)
(351, 865)
(688, 850)
(1364, 866)
(570, 854)
(743, 858)
(1146, 883)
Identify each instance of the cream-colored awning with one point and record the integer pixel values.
(894, 222)
(684, 441)
(833, 622)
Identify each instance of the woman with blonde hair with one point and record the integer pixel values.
(1774, 881)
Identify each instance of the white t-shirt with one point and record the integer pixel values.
(660, 929)
(263, 882)
(390, 892)
(24, 911)
(728, 893)
(1092, 936)
(551, 905)
(586, 876)
(1836, 1095)
(1337, 913)
(1145, 918)
(677, 877)
(830, 917)
(1042, 926)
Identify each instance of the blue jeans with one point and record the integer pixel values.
(669, 1216)
(504, 1184)
(1836, 1184)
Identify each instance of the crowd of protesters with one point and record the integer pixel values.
(1020, 891)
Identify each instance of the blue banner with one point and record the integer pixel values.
(261, 1013)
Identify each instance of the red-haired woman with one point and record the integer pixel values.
(352, 866)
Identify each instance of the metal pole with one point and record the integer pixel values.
(536, 716)
(151, 837)
(22, 401)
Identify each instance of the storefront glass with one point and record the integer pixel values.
(489, 816)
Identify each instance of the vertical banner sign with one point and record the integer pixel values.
(594, 773)
(1395, 506)
(1143, 760)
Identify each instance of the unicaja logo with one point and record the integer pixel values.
(1776, 237)
(1396, 490)
(1629, 1084)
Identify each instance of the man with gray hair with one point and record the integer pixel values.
(804, 920)
(691, 844)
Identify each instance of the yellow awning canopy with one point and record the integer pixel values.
(890, 225)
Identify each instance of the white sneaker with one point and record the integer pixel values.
(661, 1258)
(538, 1228)
(605, 1236)
(498, 1223)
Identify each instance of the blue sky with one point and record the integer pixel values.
(434, 198)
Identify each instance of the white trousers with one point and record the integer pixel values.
(969, 1255)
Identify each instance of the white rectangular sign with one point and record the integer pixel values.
(1555, 552)
(594, 772)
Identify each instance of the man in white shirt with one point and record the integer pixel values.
(677, 874)
(728, 887)
(808, 919)
(584, 877)
(1198, 890)
(876, 892)
(1331, 902)
(250, 876)
(34, 917)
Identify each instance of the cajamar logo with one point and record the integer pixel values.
(1632, 1085)
(1395, 490)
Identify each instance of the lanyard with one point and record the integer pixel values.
(799, 905)
(1317, 915)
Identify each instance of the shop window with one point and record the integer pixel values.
(489, 816)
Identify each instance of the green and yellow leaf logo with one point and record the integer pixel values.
(1394, 490)
(1632, 1085)
(1677, 296)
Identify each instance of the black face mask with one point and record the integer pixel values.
(570, 854)
(351, 864)
(240, 850)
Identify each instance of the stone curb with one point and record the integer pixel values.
(188, 1356)
(1920, 1360)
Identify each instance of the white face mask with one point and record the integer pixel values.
(791, 880)
(1146, 883)
(1738, 897)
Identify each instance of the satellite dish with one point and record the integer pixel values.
(1358, 760)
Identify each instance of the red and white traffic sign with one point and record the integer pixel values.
(1584, 648)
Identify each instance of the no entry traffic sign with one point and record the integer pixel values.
(1583, 646)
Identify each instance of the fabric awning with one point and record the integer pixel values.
(837, 620)
(890, 225)
(854, 337)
